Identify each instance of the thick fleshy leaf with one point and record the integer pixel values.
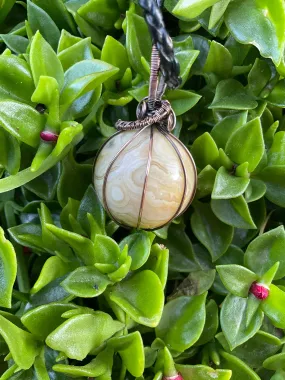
(91, 215)
(97, 367)
(139, 245)
(22, 121)
(16, 81)
(10, 154)
(97, 34)
(205, 151)
(186, 58)
(264, 251)
(28, 234)
(141, 297)
(183, 42)
(66, 39)
(181, 254)
(274, 179)
(44, 61)
(271, 131)
(83, 77)
(121, 272)
(217, 12)
(158, 262)
(228, 186)
(204, 20)
(275, 362)
(54, 245)
(8, 270)
(107, 251)
(6, 6)
(82, 246)
(52, 292)
(233, 313)
(44, 185)
(203, 45)
(42, 320)
(115, 53)
(255, 190)
(206, 180)
(53, 268)
(246, 144)
(239, 369)
(259, 76)
(86, 282)
(194, 284)
(81, 334)
(138, 42)
(255, 350)
(258, 211)
(182, 101)
(223, 130)
(202, 372)
(40, 20)
(234, 255)
(263, 27)
(58, 12)
(276, 153)
(211, 323)
(234, 212)
(84, 104)
(76, 53)
(273, 306)
(18, 44)
(182, 322)
(219, 60)
(190, 9)
(210, 231)
(277, 95)
(130, 348)
(100, 14)
(22, 345)
(74, 180)
(230, 94)
(236, 279)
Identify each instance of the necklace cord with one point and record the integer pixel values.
(169, 65)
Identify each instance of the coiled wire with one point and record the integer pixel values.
(169, 65)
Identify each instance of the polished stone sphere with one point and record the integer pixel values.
(144, 178)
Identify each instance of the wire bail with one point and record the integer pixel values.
(152, 109)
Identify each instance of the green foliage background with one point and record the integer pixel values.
(81, 297)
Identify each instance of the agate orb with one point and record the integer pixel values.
(144, 178)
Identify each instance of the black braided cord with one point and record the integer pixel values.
(169, 65)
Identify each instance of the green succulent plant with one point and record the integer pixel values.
(80, 297)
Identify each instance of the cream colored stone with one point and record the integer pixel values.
(164, 189)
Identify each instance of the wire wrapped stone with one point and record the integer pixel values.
(145, 178)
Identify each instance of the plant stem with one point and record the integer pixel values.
(22, 270)
(123, 372)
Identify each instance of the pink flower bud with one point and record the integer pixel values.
(175, 377)
(260, 291)
(48, 136)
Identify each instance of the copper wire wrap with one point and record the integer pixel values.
(152, 112)
(156, 116)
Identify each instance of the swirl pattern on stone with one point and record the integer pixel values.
(144, 178)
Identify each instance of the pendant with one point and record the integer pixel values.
(143, 175)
